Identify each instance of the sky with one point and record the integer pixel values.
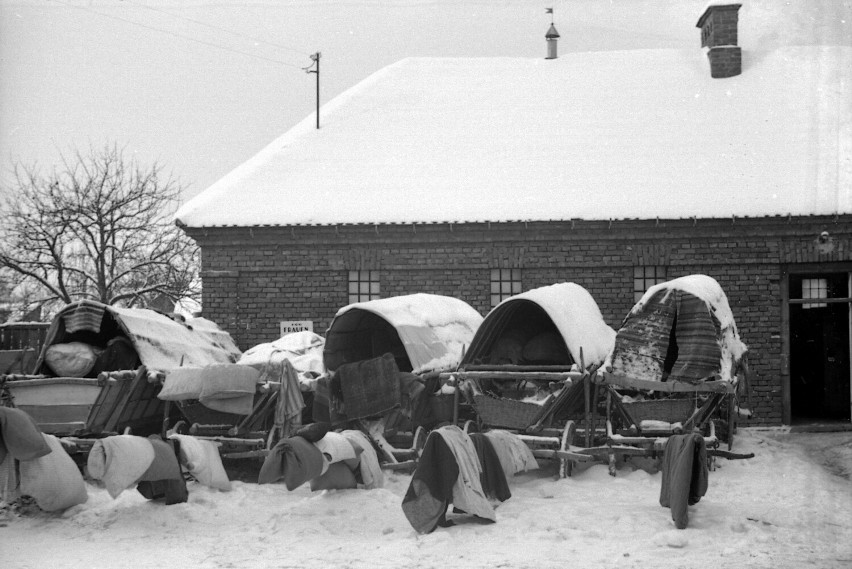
(201, 86)
(788, 507)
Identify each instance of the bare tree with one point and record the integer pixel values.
(100, 227)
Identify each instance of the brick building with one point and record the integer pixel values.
(615, 170)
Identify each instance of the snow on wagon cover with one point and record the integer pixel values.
(434, 329)
(162, 342)
(577, 317)
(702, 330)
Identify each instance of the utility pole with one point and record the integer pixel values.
(316, 60)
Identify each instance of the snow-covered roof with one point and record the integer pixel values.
(637, 133)
(434, 329)
(574, 313)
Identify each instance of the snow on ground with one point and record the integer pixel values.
(780, 509)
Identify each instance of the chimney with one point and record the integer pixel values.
(718, 26)
(551, 36)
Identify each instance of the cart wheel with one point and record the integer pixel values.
(565, 465)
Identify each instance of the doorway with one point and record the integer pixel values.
(820, 306)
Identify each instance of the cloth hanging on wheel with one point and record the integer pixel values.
(685, 474)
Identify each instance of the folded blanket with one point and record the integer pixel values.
(368, 465)
(293, 459)
(201, 458)
(20, 437)
(53, 480)
(120, 461)
(164, 478)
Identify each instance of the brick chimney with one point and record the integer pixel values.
(718, 26)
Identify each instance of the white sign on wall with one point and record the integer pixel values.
(290, 326)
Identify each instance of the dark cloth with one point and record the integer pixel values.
(370, 387)
(493, 478)
(164, 478)
(118, 355)
(697, 333)
(321, 401)
(338, 477)
(293, 459)
(422, 410)
(20, 436)
(431, 488)
(313, 432)
(685, 474)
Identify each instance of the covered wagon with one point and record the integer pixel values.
(100, 368)
(384, 358)
(529, 366)
(677, 366)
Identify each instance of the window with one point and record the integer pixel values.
(645, 277)
(504, 283)
(363, 286)
(814, 288)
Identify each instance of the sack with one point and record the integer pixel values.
(74, 359)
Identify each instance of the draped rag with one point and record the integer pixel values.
(368, 465)
(294, 459)
(53, 480)
(448, 471)
(685, 473)
(20, 437)
(201, 458)
(120, 461)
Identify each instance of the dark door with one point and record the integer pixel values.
(819, 347)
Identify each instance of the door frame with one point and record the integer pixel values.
(796, 269)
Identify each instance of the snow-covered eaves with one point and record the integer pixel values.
(601, 135)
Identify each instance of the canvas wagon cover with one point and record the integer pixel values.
(163, 343)
(574, 313)
(434, 329)
(680, 330)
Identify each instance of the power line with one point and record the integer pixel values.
(200, 23)
(177, 35)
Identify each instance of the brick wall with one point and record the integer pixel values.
(254, 278)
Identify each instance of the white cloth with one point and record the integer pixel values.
(335, 447)
(53, 480)
(201, 458)
(514, 454)
(371, 471)
(467, 491)
(120, 461)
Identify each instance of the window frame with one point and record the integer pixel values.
(504, 283)
(363, 285)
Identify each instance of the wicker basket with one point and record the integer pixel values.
(669, 410)
(508, 413)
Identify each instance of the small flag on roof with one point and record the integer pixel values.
(548, 10)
